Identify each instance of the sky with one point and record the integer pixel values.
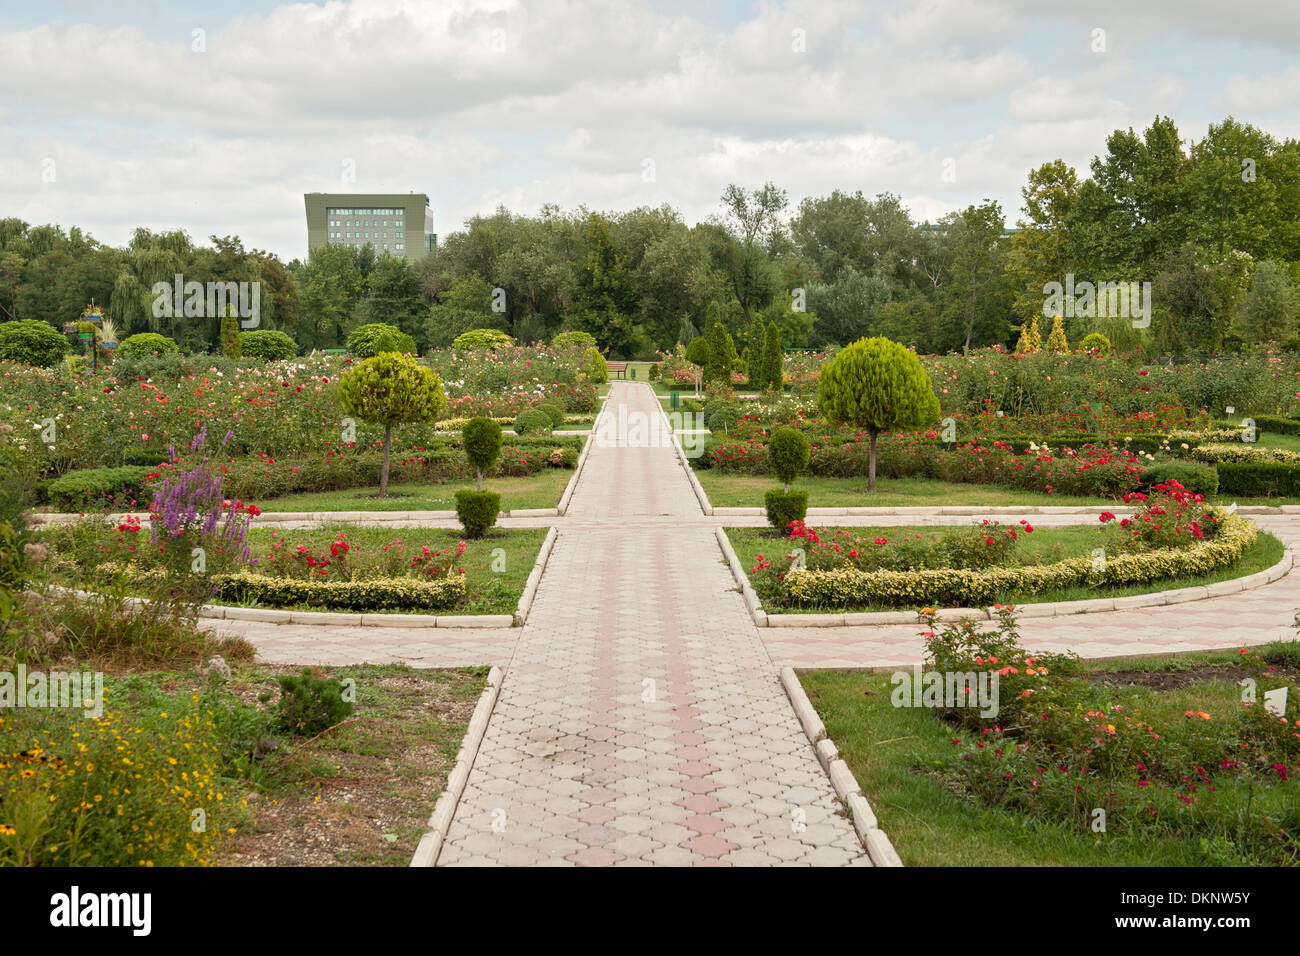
(216, 117)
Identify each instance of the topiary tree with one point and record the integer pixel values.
(482, 440)
(391, 389)
(482, 339)
(752, 357)
(478, 509)
(721, 350)
(572, 339)
(1056, 340)
(32, 341)
(876, 385)
(773, 374)
(1095, 342)
(700, 355)
(367, 341)
(231, 347)
(1033, 338)
(146, 343)
(269, 344)
(788, 449)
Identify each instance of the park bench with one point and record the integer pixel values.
(619, 368)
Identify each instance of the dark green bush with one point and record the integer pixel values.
(532, 421)
(477, 511)
(1277, 425)
(269, 344)
(572, 339)
(1194, 476)
(90, 487)
(554, 410)
(482, 440)
(490, 339)
(788, 450)
(784, 507)
(367, 341)
(1264, 479)
(309, 705)
(32, 341)
(146, 343)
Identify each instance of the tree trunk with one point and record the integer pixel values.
(478, 477)
(383, 475)
(787, 487)
(871, 462)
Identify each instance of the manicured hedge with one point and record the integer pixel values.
(89, 486)
(945, 587)
(1261, 479)
(381, 594)
(1277, 425)
(1195, 476)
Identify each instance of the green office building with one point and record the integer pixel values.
(399, 224)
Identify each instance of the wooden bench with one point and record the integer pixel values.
(618, 367)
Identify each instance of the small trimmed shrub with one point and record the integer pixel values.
(788, 450)
(554, 410)
(367, 341)
(533, 421)
(231, 346)
(1196, 477)
(32, 341)
(477, 511)
(88, 487)
(310, 705)
(572, 339)
(785, 507)
(269, 344)
(482, 440)
(146, 343)
(1095, 342)
(482, 339)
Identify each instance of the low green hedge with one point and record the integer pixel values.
(1277, 425)
(380, 594)
(946, 587)
(90, 486)
(1195, 476)
(1241, 452)
(1259, 479)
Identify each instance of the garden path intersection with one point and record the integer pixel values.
(642, 721)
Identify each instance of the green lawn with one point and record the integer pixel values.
(490, 591)
(1046, 545)
(542, 490)
(900, 757)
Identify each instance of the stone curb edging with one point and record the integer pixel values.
(762, 618)
(319, 517)
(582, 460)
(700, 496)
(430, 845)
(534, 578)
(268, 615)
(879, 849)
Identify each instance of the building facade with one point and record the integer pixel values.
(399, 224)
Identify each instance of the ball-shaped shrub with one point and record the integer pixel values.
(572, 339)
(269, 344)
(876, 385)
(31, 341)
(367, 341)
(1095, 342)
(146, 343)
(554, 410)
(594, 366)
(698, 352)
(477, 511)
(532, 421)
(481, 438)
(788, 450)
(482, 339)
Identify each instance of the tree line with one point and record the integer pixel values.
(1213, 225)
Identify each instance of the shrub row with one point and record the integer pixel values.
(76, 490)
(1277, 425)
(1260, 479)
(945, 587)
(380, 594)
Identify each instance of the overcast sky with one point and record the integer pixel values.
(216, 117)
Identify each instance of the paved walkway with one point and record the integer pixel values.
(641, 720)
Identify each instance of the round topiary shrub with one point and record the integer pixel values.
(554, 410)
(31, 341)
(532, 421)
(482, 339)
(367, 341)
(269, 344)
(785, 507)
(720, 415)
(572, 339)
(146, 343)
(788, 450)
(481, 438)
(477, 511)
(1095, 342)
